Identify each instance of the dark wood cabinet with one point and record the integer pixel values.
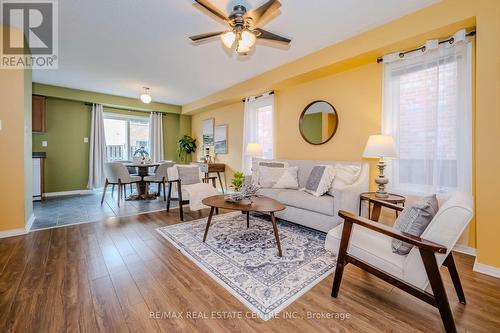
(38, 113)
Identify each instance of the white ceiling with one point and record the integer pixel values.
(119, 46)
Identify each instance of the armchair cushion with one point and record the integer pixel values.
(414, 220)
(371, 247)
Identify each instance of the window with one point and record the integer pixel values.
(258, 127)
(125, 134)
(428, 111)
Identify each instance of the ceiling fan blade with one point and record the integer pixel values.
(270, 36)
(200, 37)
(212, 9)
(260, 14)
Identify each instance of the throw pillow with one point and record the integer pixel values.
(189, 174)
(414, 219)
(345, 175)
(257, 164)
(320, 180)
(288, 179)
(268, 176)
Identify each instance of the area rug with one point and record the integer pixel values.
(246, 263)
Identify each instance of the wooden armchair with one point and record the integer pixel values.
(182, 196)
(367, 244)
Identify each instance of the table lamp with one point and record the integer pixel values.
(380, 146)
(253, 150)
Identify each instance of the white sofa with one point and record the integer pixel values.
(320, 213)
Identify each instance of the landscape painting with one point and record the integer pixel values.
(208, 132)
(221, 139)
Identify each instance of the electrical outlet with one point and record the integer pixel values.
(44, 144)
(85, 140)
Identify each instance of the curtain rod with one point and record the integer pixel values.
(448, 40)
(259, 96)
(123, 108)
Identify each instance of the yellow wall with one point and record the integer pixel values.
(232, 115)
(15, 114)
(346, 75)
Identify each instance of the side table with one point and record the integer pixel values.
(375, 212)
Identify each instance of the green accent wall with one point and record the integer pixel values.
(68, 123)
(312, 127)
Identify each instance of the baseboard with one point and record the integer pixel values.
(465, 249)
(28, 225)
(486, 269)
(12, 232)
(59, 194)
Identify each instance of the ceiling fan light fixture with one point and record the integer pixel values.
(242, 48)
(146, 97)
(248, 38)
(228, 38)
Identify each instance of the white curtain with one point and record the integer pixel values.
(156, 136)
(427, 108)
(97, 155)
(258, 127)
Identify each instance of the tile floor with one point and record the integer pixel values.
(74, 209)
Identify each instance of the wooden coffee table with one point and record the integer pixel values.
(259, 204)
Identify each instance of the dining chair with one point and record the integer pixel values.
(117, 174)
(160, 177)
(131, 170)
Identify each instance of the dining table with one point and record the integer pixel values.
(142, 186)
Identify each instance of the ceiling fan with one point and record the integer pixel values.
(244, 26)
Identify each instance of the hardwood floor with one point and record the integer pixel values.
(110, 276)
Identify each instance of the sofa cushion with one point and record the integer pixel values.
(270, 192)
(368, 246)
(303, 200)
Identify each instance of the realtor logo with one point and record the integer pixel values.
(29, 34)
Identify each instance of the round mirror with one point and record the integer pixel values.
(318, 122)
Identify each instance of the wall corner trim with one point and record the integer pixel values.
(12, 232)
(29, 224)
(486, 269)
(60, 194)
(465, 250)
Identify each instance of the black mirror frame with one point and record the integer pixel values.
(301, 121)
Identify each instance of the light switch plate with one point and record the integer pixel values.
(44, 144)
(86, 140)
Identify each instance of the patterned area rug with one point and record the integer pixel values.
(246, 263)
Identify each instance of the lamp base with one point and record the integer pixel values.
(381, 181)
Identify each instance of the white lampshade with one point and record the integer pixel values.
(228, 39)
(254, 150)
(380, 146)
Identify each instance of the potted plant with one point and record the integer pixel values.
(186, 145)
(141, 156)
(237, 181)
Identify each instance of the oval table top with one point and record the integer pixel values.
(139, 165)
(258, 204)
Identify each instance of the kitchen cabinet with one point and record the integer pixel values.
(38, 113)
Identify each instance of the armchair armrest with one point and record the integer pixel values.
(389, 231)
